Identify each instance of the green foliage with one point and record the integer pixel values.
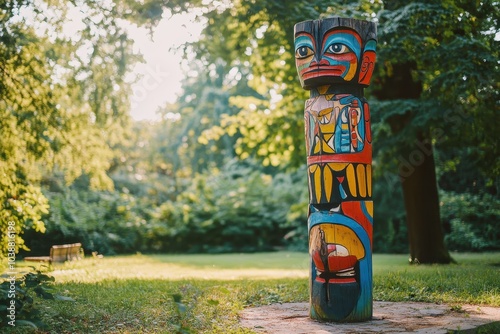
(180, 308)
(63, 101)
(104, 222)
(453, 103)
(199, 132)
(454, 99)
(17, 299)
(390, 234)
(238, 209)
(235, 209)
(63, 119)
(488, 328)
(258, 41)
(23, 208)
(473, 220)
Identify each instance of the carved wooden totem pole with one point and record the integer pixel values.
(335, 58)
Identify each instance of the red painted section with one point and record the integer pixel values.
(342, 280)
(368, 129)
(367, 66)
(364, 157)
(353, 210)
(338, 263)
(317, 261)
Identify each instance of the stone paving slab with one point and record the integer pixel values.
(388, 317)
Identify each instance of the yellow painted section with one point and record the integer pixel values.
(326, 120)
(312, 168)
(361, 180)
(323, 89)
(325, 111)
(326, 147)
(369, 208)
(352, 71)
(351, 180)
(328, 182)
(328, 128)
(342, 235)
(328, 136)
(317, 183)
(369, 179)
(345, 126)
(337, 166)
(317, 145)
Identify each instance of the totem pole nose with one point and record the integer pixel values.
(315, 62)
(324, 62)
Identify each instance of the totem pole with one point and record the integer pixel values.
(335, 58)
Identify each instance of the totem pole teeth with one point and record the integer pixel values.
(313, 208)
(326, 118)
(329, 116)
(335, 209)
(347, 273)
(325, 115)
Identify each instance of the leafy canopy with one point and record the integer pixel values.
(63, 101)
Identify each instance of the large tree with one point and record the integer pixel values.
(437, 87)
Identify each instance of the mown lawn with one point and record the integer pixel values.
(204, 293)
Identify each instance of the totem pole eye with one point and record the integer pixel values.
(303, 52)
(337, 48)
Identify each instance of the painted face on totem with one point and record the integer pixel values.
(335, 57)
(332, 55)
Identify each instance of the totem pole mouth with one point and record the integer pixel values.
(342, 269)
(322, 71)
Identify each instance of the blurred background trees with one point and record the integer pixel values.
(224, 168)
(63, 102)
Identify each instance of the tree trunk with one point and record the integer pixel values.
(418, 177)
(417, 171)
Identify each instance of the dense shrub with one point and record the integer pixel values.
(472, 221)
(390, 234)
(236, 209)
(104, 222)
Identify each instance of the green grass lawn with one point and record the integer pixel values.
(204, 293)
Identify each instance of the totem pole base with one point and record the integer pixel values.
(388, 317)
(343, 293)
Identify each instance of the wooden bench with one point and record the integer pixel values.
(59, 253)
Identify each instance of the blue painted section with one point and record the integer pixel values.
(346, 39)
(371, 45)
(304, 41)
(365, 211)
(343, 135)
